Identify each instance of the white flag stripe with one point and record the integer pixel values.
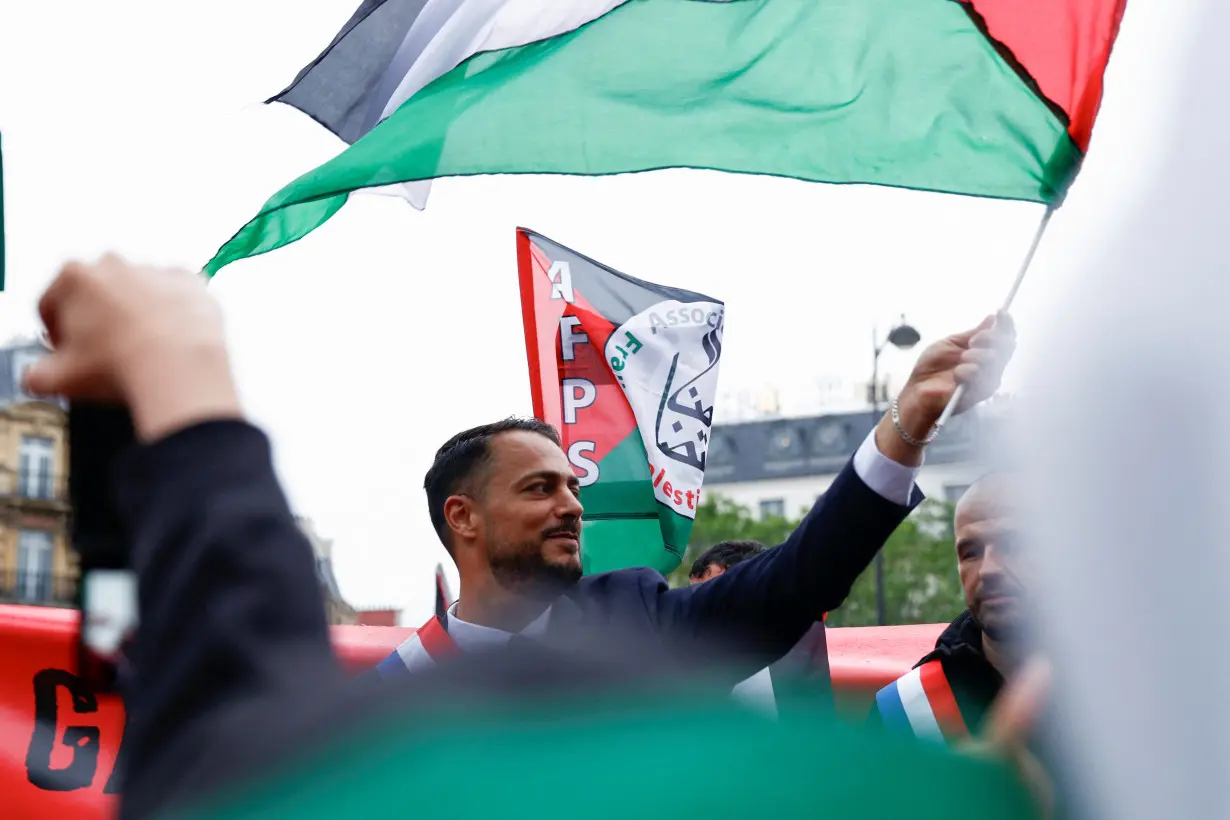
(449, 32)
(669, 355)
(917, 707)
(413, 655)
(757, 692)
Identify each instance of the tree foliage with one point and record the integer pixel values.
(920, 565)
(721, 519)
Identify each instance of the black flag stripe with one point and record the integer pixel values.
(336, 88)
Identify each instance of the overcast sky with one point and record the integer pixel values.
(136, 126)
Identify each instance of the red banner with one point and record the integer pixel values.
(58, 741)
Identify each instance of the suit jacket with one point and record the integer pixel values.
(756, 612)
(760, 608)
(232, 657)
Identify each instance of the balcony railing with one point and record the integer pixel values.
(35, 487)
(37, 588)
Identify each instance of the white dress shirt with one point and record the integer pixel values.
(475, 638)
(890, 480)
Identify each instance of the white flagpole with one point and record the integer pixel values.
(1016, 285)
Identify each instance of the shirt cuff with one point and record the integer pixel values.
(891, 481)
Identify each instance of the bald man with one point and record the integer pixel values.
(947, 694)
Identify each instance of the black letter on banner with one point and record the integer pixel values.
(83, 740)
(117, 776)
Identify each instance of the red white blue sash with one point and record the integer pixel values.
(429, 645)
(922, 701)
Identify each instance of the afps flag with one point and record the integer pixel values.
(627, 371)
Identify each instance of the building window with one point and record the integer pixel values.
(34, 469)
(773, 508)
(22, 359)
(953, 492)
(830, 437)
(785, 442)
(34, 550)
(722, 451)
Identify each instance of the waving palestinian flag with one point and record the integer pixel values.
(627, 372)
(992, 98)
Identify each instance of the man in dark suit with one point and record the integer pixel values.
(504, 501)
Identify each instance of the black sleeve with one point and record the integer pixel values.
(763, 606)
(232, 624)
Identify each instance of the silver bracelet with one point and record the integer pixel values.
(906, 437)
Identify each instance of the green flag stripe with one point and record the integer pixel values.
(623, 485)
(617, 508)
(621, 543)
(907, 93)
(676, 529)
(621, 514)
(625, 756)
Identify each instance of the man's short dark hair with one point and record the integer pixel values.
(725, 554)
(459, 461)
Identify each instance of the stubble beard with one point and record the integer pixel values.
(522, 569)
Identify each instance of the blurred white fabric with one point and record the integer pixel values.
(1127, 438)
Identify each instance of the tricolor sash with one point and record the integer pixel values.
(922, 701)
(429, 645)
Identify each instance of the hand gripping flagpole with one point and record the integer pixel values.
(1016, 285)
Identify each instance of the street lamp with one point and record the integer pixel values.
(902, 336)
